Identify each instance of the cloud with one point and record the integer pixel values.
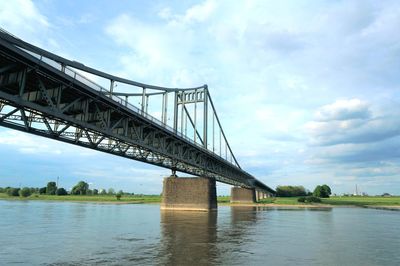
(21, 17)
(269, 70)
(388, 149)
(196, 13)
(164, 50)
(29, 145)
(352, 121)
(344, 110)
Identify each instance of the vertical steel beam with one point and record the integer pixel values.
(147, 103)
(143, 98)
(59, 92)
(213, 132)
(220, 142)
(111, 87)
(183, 98)
(195, 115)
(226, 150)
(176, 112)
(205, 116)
(186, 119)
(165, 107)
(22, 82)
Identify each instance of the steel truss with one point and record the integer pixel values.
(42, 99)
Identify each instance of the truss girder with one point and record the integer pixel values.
(44, 101)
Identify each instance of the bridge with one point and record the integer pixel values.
(47, 95)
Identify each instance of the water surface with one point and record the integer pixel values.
(69, 233)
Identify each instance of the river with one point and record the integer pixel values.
(68, 233)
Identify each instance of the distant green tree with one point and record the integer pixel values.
(51, 188)
(327, 189)
(95, 192)
(34, 190)
(111, 191)
(103, 191)
(42, 190)
(309, 199)
(318, 191)
(25, 192)
(2, 190)
(61, 191)
(14, 192)
(290, 191)
(119, 195)
(80, 189)
(322, 191)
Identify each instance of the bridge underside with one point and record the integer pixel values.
(46, 99)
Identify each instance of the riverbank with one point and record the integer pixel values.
(392, 203)
(374, 202)
(125, 199)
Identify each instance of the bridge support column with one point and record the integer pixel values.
(191, 194)
(259, 195)
(243, 195)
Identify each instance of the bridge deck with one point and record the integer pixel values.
(44, 97)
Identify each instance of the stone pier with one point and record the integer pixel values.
(243, 195)
(262, 195)
(190, 194)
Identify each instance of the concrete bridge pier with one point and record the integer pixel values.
(189, 194)
(243, 195)
(259, 195)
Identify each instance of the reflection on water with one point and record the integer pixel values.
(240, 214)
(188, 237)
(44, 233)
(199, 238)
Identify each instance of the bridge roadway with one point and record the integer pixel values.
(41, 94)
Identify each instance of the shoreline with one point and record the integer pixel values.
(226, 204)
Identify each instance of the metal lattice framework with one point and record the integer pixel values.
(47, 95)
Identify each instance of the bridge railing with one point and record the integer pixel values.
(73, 68)
(82, 79)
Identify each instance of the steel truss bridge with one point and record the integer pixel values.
(47, 95)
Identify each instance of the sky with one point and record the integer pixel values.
(308, 92)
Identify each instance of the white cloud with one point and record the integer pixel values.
(33, 145)
(352, 121)
(344, 110)
(27, 144)
(197, 13)
(21, 17)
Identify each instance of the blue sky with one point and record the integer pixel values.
(307, 91)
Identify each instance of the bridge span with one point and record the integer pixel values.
(176, 128)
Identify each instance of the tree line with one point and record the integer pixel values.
(81, 188)
(320, 191)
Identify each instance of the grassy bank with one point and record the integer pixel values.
(363, 201)
(335, 201)
(94, 198)
(100, 198)
(341, 201)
